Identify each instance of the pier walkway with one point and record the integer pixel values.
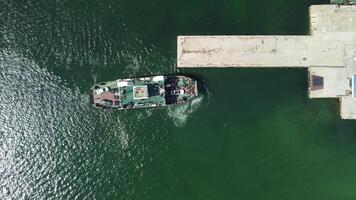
(329, 53)
(259, 51)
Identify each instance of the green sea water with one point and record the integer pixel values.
(253, 135)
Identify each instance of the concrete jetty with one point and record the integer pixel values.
(260, 51)
(329, 53)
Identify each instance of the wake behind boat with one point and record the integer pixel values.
(143, 92)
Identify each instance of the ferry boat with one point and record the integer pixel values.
(154, 91)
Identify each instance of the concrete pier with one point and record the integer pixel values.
(329, 53)
(259, 51)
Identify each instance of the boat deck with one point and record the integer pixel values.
(144, 92)
(140, 92)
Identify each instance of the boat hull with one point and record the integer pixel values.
(144, 92)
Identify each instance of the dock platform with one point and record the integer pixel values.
(259, 51)
(329, 53)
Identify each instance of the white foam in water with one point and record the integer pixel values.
(180, 113)
(122, 135)
(149, 112)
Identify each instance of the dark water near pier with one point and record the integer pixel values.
(254, 135)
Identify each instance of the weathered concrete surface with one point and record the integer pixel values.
(259, 51)
(329, 51)
(332, 19)
(338, 22)
(348, 107)
(332, 28)
(335, 83)
(343, 1)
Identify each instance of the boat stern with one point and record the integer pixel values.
(180, 89)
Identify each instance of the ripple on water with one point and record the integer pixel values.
(80, 38)
(55, 145)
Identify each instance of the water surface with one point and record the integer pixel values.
(253, 135)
